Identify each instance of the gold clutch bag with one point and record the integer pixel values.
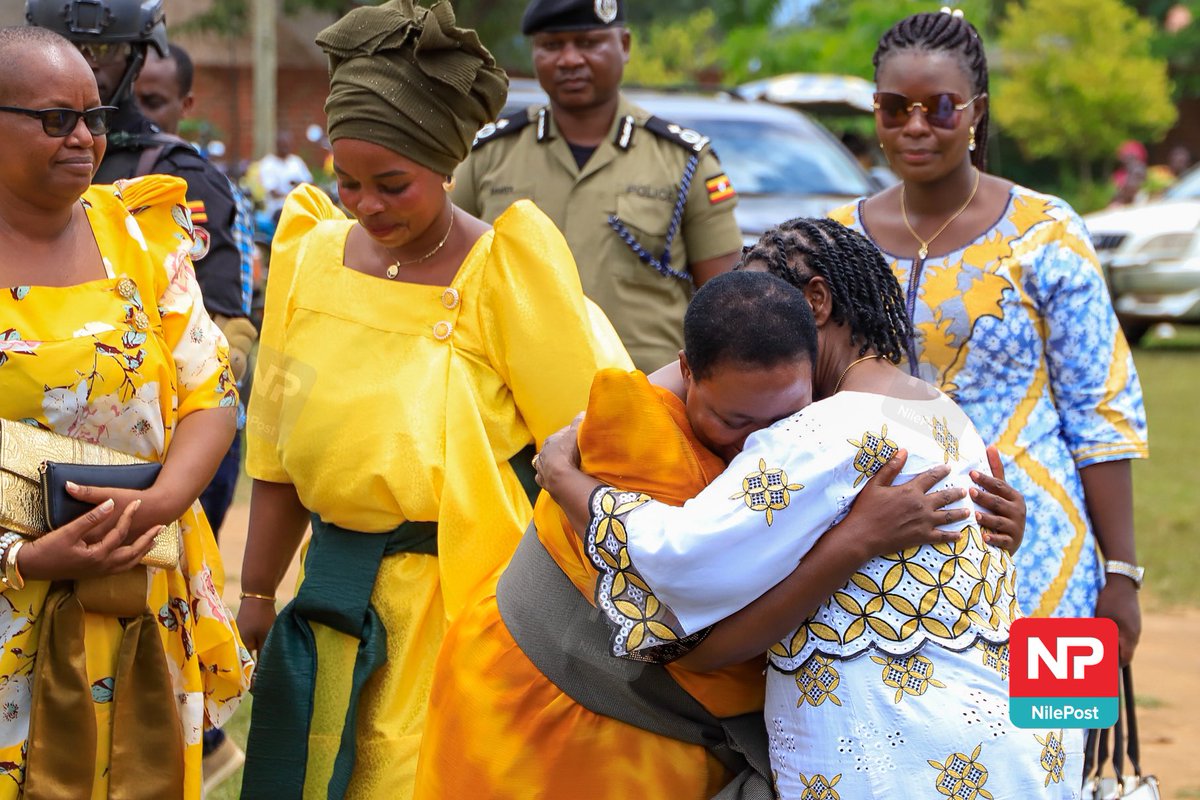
(23, 451)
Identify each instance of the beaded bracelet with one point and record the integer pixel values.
(8, 540)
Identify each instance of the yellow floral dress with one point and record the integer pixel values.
(384, 402)
(119, 361)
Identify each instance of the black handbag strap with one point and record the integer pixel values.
(1131, 717)
(1124, 739)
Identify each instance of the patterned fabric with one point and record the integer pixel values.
(119, 361)
(898, 670)
(385, 401)
(1018, 328)
(243, 238)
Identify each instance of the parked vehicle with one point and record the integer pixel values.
(1151, 257)
(781, 162)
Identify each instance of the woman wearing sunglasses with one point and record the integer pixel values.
(109, 670)
(1012, 319)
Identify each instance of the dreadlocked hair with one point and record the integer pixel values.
(866, 296)
(948, 33)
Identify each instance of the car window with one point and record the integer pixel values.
(772, 158)
(1186, 188)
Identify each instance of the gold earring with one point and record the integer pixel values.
(450, 183)
(971, 143)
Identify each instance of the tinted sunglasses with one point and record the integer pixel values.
(102, 53)
(59, 122)
(940, 110)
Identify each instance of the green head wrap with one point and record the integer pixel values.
(405, 78)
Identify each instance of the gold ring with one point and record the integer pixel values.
(536, 456)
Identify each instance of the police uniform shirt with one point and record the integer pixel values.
(215, 254)
(635, 173)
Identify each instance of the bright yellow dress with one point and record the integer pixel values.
(500, 729)
(383, 402)
(120, 368)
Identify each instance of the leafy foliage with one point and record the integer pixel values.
(1076, 78)
(838, 37)
(674, 53)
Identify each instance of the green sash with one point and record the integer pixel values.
(339, 576)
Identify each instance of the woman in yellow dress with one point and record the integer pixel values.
(105, 339)
(409, 356)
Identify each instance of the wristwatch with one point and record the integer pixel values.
(1131, 571)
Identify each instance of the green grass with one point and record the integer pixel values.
(1165, 485)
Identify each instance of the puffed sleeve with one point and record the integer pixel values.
(543, 338)
(305, 207)
(1091, 371)
(709, 227)
(668, 572)
(159, 216)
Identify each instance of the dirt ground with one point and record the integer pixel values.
(1166, 675)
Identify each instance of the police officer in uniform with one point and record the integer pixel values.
(113, 36)
(643, 203)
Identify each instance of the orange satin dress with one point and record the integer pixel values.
(497, 728)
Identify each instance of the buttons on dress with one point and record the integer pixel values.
(140, 320)
(442, 331)
(126, 288)
(450, 298)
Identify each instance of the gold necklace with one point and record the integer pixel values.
(394, 269)
(924, 249)
(847, 369)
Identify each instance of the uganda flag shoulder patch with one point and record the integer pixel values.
(719, 188)
(199, 215)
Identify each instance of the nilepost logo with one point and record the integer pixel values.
(1063, 673)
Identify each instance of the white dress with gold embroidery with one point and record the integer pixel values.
(897, 685)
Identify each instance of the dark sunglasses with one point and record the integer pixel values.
(940, 110)
(59, 122)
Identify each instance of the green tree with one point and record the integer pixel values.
(1180, 46)
(674, 53)
(1077, 78)
(838, 37)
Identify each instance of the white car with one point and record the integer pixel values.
(1151, 257)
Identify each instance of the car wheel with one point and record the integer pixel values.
(1135, 330)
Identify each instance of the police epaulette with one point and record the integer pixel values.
(684, 137)
(501, 127)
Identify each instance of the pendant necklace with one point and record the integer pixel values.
(394, 269)
(923, 251)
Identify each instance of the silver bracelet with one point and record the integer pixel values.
(1131, 571)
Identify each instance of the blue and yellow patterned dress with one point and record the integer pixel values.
(1018, 328)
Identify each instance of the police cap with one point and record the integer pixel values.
(550, 16)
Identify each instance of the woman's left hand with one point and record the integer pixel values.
(157, 508)
(1005, 520)
(1118, 601)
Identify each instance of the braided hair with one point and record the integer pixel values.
(946, 33)
(866, 296)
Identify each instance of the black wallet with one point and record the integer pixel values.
(61, 507)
